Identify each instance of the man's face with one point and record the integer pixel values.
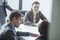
(35, 7)
(17, 21)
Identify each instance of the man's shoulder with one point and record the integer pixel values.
(6, 33)
(5, 29)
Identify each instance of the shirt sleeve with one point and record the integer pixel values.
(23, 33)
(25, 21)
(42, 16)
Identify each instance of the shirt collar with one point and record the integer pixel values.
(12, 26)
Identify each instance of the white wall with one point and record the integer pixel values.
(45, 6)
(54, 33)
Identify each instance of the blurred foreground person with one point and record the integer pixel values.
(43, 30)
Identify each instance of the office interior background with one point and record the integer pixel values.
(50, 8)
(25, 5)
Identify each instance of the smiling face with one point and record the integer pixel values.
(35, 7)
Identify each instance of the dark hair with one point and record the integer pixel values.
(14, 14)
(43, 28)
(36, 2)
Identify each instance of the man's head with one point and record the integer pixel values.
(43, 28)
(15, 18)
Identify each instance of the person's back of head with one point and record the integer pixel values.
(43, 28)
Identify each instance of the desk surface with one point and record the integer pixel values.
(25, 28)
(29, 38)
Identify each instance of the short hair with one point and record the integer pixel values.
(43, 27)
(14, 14)
(36, 2)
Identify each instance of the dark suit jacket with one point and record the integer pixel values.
(29, 16)
(8, 33)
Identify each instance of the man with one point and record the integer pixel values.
(3, 14)
(9, 33)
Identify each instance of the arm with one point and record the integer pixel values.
(42, 16)
(27, 34)
(9, 8)
(23, 33)
(26, 19)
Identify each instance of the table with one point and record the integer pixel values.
(25, 28)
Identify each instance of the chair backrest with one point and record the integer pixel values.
(23, 12)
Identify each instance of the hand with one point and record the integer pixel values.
(34, 35)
